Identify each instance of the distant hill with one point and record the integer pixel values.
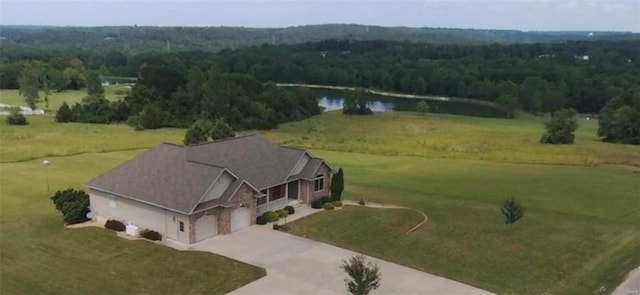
(134, 38)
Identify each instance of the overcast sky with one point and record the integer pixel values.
(597, 15)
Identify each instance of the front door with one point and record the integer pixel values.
(293, 190)
(182, 231)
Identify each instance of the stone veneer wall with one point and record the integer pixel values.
(244, 196)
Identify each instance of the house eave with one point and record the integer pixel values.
(134, 199)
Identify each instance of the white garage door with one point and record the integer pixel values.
(240, 218)
(206, 227)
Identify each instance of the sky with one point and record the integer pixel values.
(526, 15)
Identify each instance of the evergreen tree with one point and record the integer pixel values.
(64, 113)
(512, 211)
(337, 185)
(198, 132)
(221, 130)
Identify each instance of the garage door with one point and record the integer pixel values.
(240, 218)
(206, 227)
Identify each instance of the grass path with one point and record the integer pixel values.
(387, 206)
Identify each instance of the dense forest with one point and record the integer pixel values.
(140, 39)
(538, 78)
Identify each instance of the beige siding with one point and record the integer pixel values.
(140, 214)
(300, 165)
(219, 187)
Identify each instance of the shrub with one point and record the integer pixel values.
(151, 235)
(73, 204)
(282, 213)
(362, 202)
(316, 204)
(261, 220)
(561, 127)
(15, 117)
(325, 200)
(271, 216)
(276, 226)
(327, 206)
(221, 130)
(113, 224)
(290, 209)
(337, 203)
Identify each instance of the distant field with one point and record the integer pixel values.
(579, 234)
(12, 97)
(453, 137)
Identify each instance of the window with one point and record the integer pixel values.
(262, 200)
(318, 183)
(113, 202)
(181, 226)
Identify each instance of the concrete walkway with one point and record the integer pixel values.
(296, 265)
(631, 286)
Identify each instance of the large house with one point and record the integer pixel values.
(191, 193)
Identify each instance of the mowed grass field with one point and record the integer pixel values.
(580, 232)
(13, 97)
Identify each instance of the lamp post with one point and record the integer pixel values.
(46, 163)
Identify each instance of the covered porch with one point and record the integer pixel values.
(279, 196)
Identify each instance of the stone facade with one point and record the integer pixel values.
(244, 197)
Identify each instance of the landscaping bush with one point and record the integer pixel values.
(326, 200)
(327, 206)
(337, 203)
(261, 220)
(151, 235)
(115, 225)
(73, 204)
(290, 210)
(15, 117)
(283, 227)
(316, 204)
(282, 213)
(271, 216)
(276, 226)
(362, 202)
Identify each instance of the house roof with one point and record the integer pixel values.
(177, 177)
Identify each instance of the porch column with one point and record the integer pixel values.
(286, 191)
(268, 201)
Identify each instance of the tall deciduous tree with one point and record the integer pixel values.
(561, 127)
(511, 211)
(221, 130)
(198, 132)
(94, 85)
(620, 119)
(364, 276)
(510, 103)
(355, 102)
(337, 185)
(29, 82)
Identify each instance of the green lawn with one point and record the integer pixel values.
(12, 97)
(38, 255)
(580, 231)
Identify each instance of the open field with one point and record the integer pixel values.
(454, 137)
(12, 97)
(580, 231)
(40, 256)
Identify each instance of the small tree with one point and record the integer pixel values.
(422, 107)
(364, 277)
(29, 83)
(198, 132)
(15, 117)
(512, 211)
(74, 205)
(64, 113)
(94, 85)
(355, 103)
(561, 127)
(151, 117)
(337, 185)
(222, 130)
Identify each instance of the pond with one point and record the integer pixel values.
(331, 100)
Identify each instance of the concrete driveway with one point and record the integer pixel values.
(297, 265)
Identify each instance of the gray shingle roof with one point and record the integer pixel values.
(253, 158)
(161, 176)
(177, 177)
